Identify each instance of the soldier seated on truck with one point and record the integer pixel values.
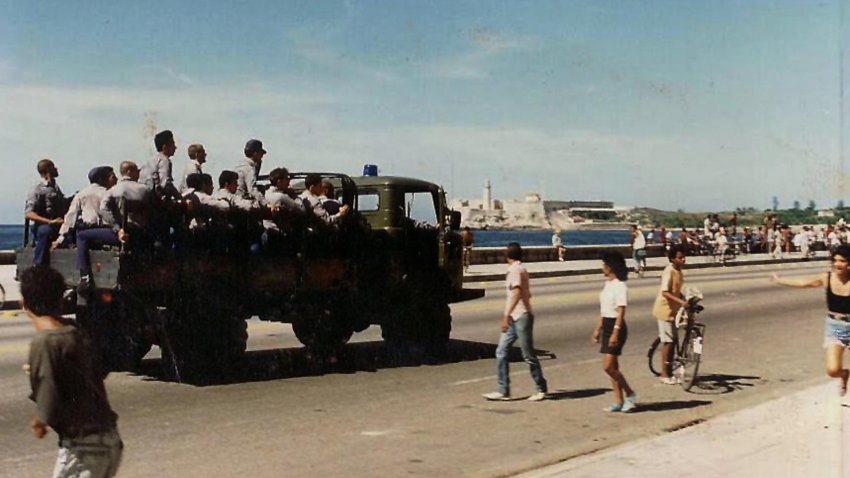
(285, 210)
(45, 207)
(313, 202)
(127, 206)
(204, 210)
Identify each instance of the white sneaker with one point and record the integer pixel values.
(537, 397)
(496, 396)
(669, 380)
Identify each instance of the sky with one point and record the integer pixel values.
(701, 106)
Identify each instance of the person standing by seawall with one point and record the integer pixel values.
(67, 384)
(468, 243)
(638, 249)
(836, 334)
(45, 206)
(558, 244)
(517, 324)
(612, 329)
(667, 303)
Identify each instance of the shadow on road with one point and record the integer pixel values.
(276, 364)
(718, 383)
(576, 394)
(667, 406)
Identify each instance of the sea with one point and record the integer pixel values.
(12, 237)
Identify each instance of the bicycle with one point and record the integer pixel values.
(687, 350)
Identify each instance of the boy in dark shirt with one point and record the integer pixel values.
(67, 384)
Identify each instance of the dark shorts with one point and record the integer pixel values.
(605, 336)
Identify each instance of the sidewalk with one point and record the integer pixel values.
(537, 270)
(804, 434)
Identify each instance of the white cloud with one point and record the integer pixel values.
(323, 54)
(485, 46)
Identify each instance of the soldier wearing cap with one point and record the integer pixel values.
(249, 169)
(84, 211)
(197, 158)
(156, 173)
(45, 207)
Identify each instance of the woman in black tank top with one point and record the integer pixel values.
(836, 282)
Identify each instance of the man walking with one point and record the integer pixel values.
(517, 324)
(67, 385)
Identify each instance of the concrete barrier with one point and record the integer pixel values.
(496, 255)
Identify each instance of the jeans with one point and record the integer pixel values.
(93, 456)
(44, 235)
(84, 237)
(521, 329)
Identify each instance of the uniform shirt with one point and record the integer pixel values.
(248, 171)
(614, 294)
(136, 198)
(205, 207)
(67, 384)
(192, 167)
(156, 173)
(517, 276)
(236, 202)
(46, 200)
(85, 208)
(280, 199)
(313, 203)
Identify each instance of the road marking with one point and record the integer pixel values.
(376, 433)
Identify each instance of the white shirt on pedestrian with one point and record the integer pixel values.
(517, 277)
(614, 294)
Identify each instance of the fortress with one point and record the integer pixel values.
(533, 212)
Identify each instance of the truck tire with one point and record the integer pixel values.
(325, 331)
(116, 327)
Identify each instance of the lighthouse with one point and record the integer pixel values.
(487, 204)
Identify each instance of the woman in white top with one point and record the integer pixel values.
(613, 330)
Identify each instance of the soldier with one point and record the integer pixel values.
(279, 199)
(45, 207)
(134, 218)
(328, 198)
(228, 182)
(84, 211)
(204, 207)
(312, 202)
(156, 174)
(67, 383)
(197, 158)
(249, 169)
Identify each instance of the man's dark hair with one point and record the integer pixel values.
(312, 179)
(675, 248)
(328, 189)
(617, 263)
(41, 289)
(206, 180)
(227, 177)
(44, 166)
(195, 181)
(100, 175)
(514, 251)
(277, 174)
(162, 139)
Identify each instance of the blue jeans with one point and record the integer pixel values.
(85, 237)
(521, 329)
(44, 235)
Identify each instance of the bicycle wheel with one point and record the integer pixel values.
(2, 296)
(689, 359)
(653, 356)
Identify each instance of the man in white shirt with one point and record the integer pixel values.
(197, 158)
(313, 202)
(517, 324)
(156, 174)
(279, 200)
(638, 249)
(249, 169)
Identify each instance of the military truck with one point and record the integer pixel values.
(395, 262)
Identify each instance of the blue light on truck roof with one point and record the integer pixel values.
(370, 170)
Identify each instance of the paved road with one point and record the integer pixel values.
(371, 415)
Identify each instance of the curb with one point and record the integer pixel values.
(578, 272)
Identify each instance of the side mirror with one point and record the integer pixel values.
(454, 220)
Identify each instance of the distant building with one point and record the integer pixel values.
(531, 212)
(826, 213)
